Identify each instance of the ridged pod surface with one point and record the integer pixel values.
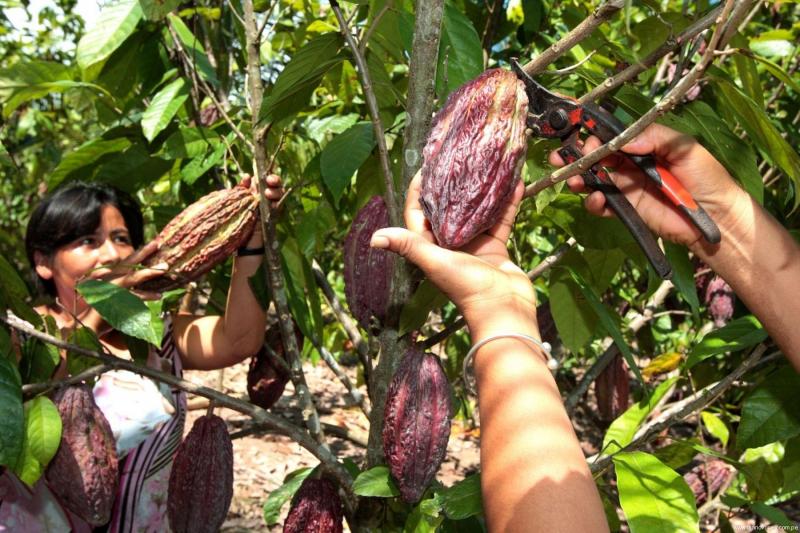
(720, 299)
(201, 236)
(84, 473)
(612, 389)
(201, 480)
(707, 478)
(473, 157)
(316, 507)
(367, 270)
(416, 422)
(267, 379)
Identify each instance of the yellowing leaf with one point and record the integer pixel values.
(666, 362)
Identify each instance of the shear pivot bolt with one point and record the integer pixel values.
(558, 118)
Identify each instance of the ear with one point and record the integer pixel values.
(43, 265)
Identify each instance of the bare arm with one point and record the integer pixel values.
(534, 475)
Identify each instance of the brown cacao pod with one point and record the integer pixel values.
(612, 389)
(367, 270)
(416, 422)
(201, 480)
(267, 379)
(200, 237)
(84, 473)
(473, 157)
(316, 507)
(706, 479)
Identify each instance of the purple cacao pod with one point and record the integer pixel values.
(707, 478)
(612, 389)
(720, 300)
(200, 237)
(84, 473)
(201, 480)
(367, 270)
(473, 157)
(266, 378)
(315, 507)
(416, 422)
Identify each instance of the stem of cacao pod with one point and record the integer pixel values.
(275, 279)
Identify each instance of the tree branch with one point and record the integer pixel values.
(354, 393)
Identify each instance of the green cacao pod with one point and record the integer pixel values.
(84, 473)
(473, 157)
(316, 507)
(367, 270)
(201, 480)
(200, 237)
(416, 422)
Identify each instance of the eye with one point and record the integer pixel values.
(86, 241)
(123, 239)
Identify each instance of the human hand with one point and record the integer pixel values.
(274, 193)
(493, 294)
(127, 274)
(699, 172)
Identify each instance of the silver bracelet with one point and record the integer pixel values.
(552, 363)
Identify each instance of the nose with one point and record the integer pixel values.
(109, 253)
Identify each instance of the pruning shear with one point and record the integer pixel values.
(556, 117)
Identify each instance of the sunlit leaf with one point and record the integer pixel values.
(121, 309)
(344, 155)
(622, 430)
(84, 155)
(163, 107)
(376, 482)
(41, 441)
(278, 497)
(736, 335)
(771, 412)
(117, 21)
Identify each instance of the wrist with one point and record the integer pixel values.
(515, 315)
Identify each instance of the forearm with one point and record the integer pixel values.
(761, 262)
(533, 472)
(244, 320)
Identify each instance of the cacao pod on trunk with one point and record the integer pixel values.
(200, 237)
(416, 422)
(473, 157)
(707, 478)
(84, 473)
(201, 480)
(612, 389)
(720, 300)
(316, 507)
(266, 378)
(367, 270)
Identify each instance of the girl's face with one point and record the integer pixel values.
(86, 256)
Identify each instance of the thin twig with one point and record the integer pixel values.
(34, 389)
(364, 39)
(355, 394)
(567, 70)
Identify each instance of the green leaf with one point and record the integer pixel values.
(85, 338)
(775, 43)
(121, 309)
(763, 470)
(762, 131)
(158, 9)
(774, 515)
(460, 52)
(415, 312)
(39, 360)
(716, 427)
(41, 440)
(163, 107)
(115, 23)
(778, 72)
(195, 50)
(188, 143)
(771, 412)
(344, 155)
(748, 73)
(567, 211)
(622, 430)
(14, 293)
(376, 482)
(202, 164)
(463, 499)
(736, 335)
(281, 495)
(573, 318)
(677, 454)
(12, 418)
(301, 76)
(84, 155)
(654, 497)
(683, 274)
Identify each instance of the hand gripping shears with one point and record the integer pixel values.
(557, 117)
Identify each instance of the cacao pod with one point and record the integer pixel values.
(706, 479)
(316, 507)
(367, 270)
(720, 299)
(416, 422)
(200, 237)
(201, 480)
(473, 157)
(84, 473)
(266, 378)
(612, 389)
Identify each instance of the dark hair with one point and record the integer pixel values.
(73, 211)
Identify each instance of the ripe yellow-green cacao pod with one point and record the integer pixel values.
(367, 270)
(201, 480)
(84, 473)
(473, 157)
(416, 422)
(200, 237)
(316, 507)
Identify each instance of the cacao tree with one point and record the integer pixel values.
(173, 100)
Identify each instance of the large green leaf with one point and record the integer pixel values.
(163, 107)
(375, 482)
(278, 497)
(463, 499)
(121, 309)
(683, 274)
(763, 470)
(771, 412)
(202, 164)
(12, 418)
(158, 9)
(654, 498)
(344, 155)
(574, 319)
(194, 48)
(41, 441)
(14, 293)
(300, 285)
(188, 143)
(116, 22)
(39, 360)
(302, 75)
(460, 52)
(84, 155)
(736, 335)
(622, 430)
